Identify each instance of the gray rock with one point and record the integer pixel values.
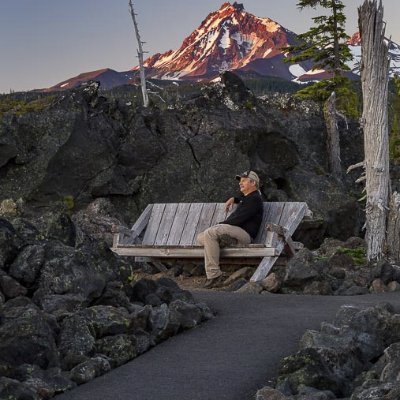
(119, 349)
(233, 287)
(13, 389)
(251, 288)
(377, 286)
(300, 269)
(162, 323)
(242, 273)
(8, 243)
(393, 286)
(62, 305)
(106, 320)
(143, 341)
(75, 337)
(70, 271)
(387, 391)
(188, 315)
(271, 283)
(27, 265)
(10, 287)
(27, 337)
(269, 393)
(49, 382)
(391, 371)
(90, 369)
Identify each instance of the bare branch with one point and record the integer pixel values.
(355, 166)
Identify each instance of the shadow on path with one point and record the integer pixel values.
(229, 357)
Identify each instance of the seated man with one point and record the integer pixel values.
(242, 225)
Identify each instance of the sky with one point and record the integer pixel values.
(43, 42)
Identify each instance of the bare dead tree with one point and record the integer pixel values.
(140, 56)
(374, 81)
(333, 140)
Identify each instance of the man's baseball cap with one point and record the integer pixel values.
(249, 174)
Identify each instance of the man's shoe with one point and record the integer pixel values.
(215, 282)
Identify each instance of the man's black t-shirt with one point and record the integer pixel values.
(248, 214)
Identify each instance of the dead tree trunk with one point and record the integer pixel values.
(374, 80)
(333, 141)
(140, 56)
(393, 229)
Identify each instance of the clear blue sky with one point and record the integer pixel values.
(43, 42)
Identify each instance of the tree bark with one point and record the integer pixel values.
(393, 230)
(374, 80)
(333, 140)
(140, 56)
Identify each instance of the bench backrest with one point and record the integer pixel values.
(178, 224)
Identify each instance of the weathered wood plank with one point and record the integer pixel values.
(191, 223)
(178, 224)
(193, 252)
(289, 216)
(205, 219)
(154, 223)
(166, 223)
(260, 234)
(292, 216)
(219, 214)
(142, 221)
(272, 216)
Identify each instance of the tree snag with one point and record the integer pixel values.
(333, 140)
(374, 81)
(140, 56)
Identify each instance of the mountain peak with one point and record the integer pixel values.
(235, 6)
(229, 38)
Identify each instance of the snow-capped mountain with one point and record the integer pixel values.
(228, 39)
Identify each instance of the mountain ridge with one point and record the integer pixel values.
(229, 38)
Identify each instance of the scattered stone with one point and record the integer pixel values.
(268, 393)
(243, 273)
(393, 286)
(271, 283)
(10, 287)
(250, 288)
(90, 369)
(118, 349)
(377, 286)
(236, 285)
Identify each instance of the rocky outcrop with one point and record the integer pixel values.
(70, 310)
(336, 268)
(356, 357)
(86, 146)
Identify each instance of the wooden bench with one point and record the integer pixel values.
(169, 231)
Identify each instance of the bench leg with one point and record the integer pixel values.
(263, 269)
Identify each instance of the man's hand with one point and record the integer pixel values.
(229, 204)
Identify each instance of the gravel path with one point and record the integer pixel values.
(229, 357)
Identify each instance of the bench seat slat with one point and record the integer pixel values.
(154, 223)
(191, 223)
(166, 223)
(178, 224)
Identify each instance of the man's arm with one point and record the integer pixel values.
(230, 202)
(247, 210)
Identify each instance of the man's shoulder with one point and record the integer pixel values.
(255, 197)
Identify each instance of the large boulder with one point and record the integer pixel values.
(26, 336)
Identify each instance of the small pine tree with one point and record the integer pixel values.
(325, 44)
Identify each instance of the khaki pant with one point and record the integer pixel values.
(210, 240)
